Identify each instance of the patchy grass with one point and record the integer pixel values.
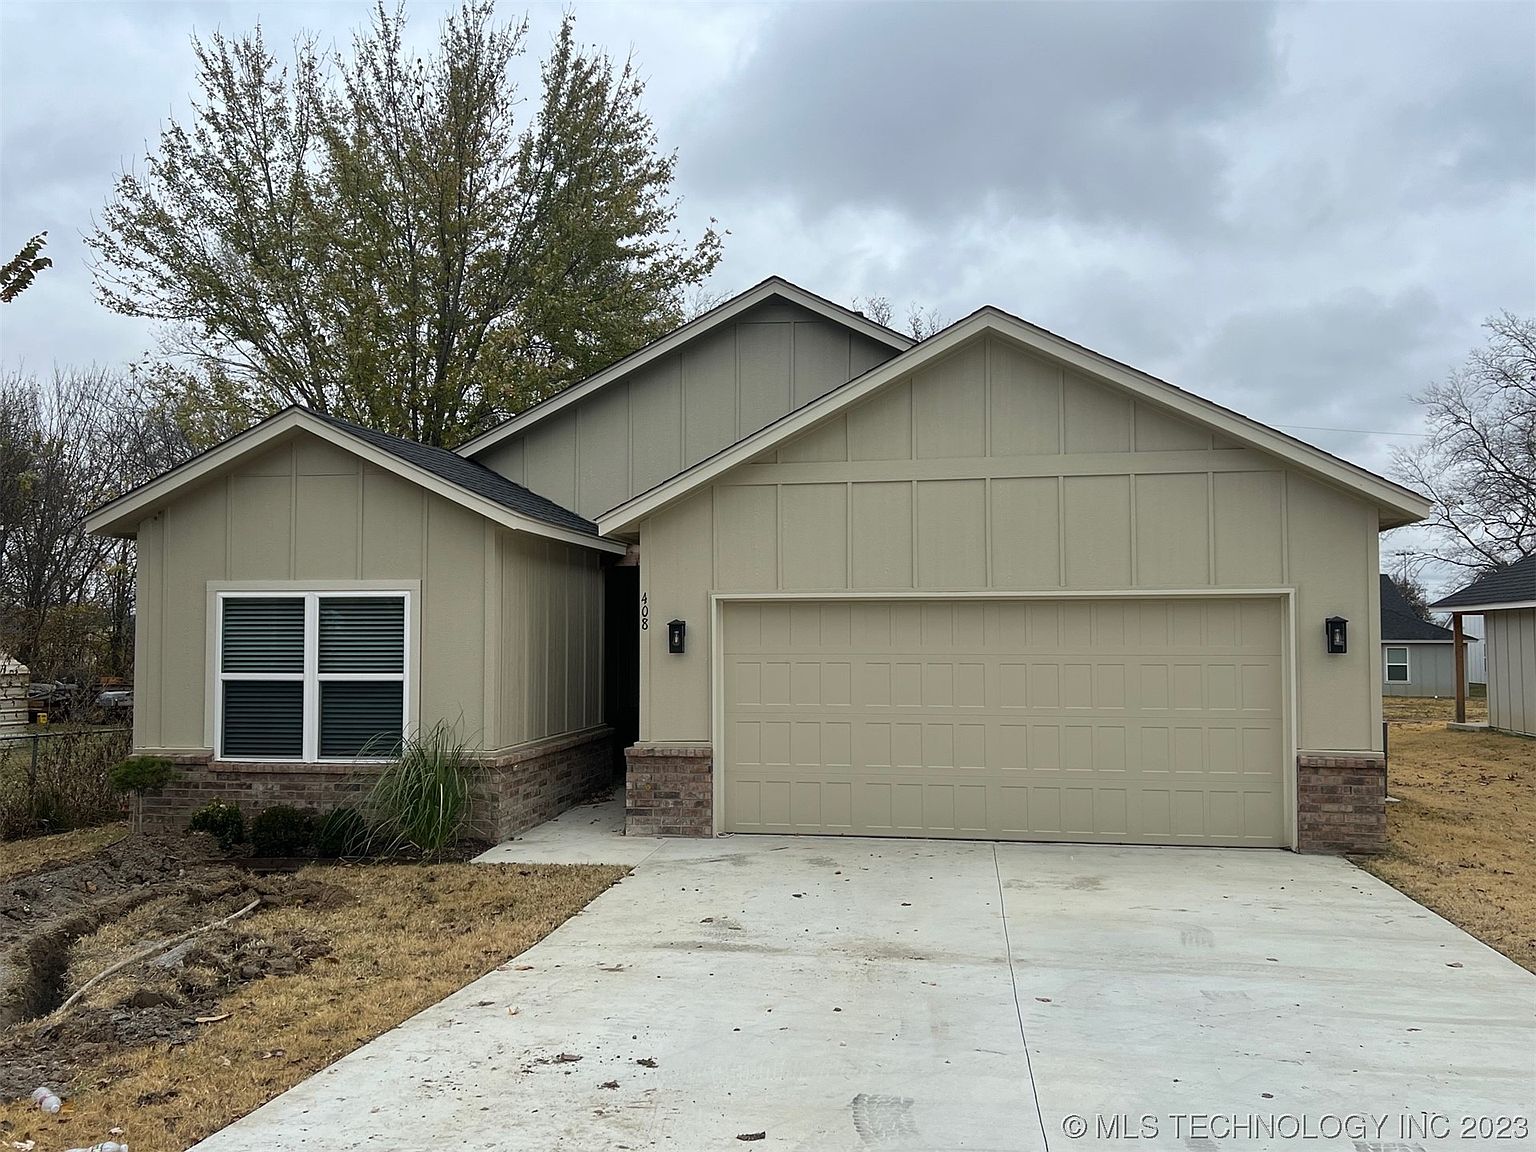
(1462, 839)
(1422, 708)
(386, 942)
(19, 857)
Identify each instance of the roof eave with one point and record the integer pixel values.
(1397, 506)
(704, 322)
(121, 517)
(1488, 606)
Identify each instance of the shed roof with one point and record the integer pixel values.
(1512, 586)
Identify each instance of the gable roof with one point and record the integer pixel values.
(461, 481)
(1512, 586)
(774, 286)
(1400, 505)
(1400, 622)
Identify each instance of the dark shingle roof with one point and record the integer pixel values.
(1512, 584)
(1400, 622)
(466, 474)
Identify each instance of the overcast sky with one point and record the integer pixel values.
(1301, 211)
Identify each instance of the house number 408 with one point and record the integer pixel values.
(645, 611)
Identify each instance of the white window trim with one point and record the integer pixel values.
(311, 676)
(1406, 664)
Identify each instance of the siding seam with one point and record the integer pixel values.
(1210, 528)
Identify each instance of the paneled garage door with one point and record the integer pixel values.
(1156, 721)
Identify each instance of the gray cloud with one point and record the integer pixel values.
(1082, 111)
(1302, 211)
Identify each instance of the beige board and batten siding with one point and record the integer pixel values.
(996, 469)
(309, 513)
(1155, 721)
(552, 627)
(637, 431)
(1511, 641)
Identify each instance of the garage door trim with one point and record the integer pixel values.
(1287, 597)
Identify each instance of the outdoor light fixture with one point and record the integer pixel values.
(676, 629)
(1336, 629)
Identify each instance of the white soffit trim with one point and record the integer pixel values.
(1406, 506)
(121, 517)
(773, 286)
(1474, 609)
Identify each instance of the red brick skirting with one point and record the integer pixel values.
(529, 785)
(1341, 802)
(670, 790)
(513, 790)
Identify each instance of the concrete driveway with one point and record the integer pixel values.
(842, 994)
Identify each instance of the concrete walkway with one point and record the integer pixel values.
(854, 994)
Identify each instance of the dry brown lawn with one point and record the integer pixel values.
(19, 857)
(393, 940)
(1462, 839)
(1419, 708)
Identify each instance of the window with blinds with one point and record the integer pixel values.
(311, 675)
(361, 673)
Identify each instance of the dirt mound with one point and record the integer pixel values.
(305, 893)
(54, 891)
(60, 925)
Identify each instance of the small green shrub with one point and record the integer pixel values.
(421, 799)
(141, 774)
(341, 832)
(282, 831)
(224, 822)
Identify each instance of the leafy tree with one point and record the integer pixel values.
(1479, 462)
(17, 274)
(377, 236)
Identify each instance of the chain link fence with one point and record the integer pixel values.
(55, 781)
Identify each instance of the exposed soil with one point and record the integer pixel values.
(1461, 838)
(68, 920)
(1417, 709)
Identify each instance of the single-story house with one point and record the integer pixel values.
(1418, 656)
(813, 577)
(1506, 600)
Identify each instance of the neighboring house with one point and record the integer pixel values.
(1418, 657)
(815, 578)
(1506, 600)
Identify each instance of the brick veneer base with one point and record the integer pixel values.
(513, 790)
(669, 790)
(1341, 802)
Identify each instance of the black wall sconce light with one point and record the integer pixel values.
(676, 631)
(1336, 630)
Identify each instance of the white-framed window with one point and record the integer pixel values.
(311, 676)
(1397, 665)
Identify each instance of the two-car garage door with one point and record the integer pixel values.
(1157, 721)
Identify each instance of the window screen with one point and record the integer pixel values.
(262, 663)
(311, 675)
